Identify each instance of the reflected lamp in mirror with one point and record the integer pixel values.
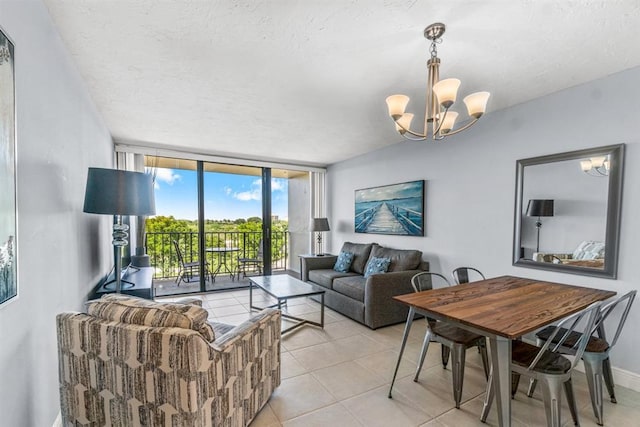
(319, 225)
(584, 239)
(539, 208)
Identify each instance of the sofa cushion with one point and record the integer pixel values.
(325, 277)
(361, 252)
(401, 259)
(343, 262)
(138, 311)
(589, 249)
(376, 265)
(353, 287)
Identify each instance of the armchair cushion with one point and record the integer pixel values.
(138, 311)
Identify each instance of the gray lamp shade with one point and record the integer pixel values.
(319, 224)
(118, 192)
(540, 207)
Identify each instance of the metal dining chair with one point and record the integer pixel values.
(466, 274)
(545, 363)
(187, 269)
(597, 365)
(454, 340)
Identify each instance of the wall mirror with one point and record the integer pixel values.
(567, 211)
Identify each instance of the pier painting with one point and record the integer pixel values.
(391, 209)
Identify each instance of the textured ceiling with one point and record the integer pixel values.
(305, 81)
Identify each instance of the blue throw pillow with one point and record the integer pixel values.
(377, 265)
(343, 262)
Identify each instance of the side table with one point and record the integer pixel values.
(305, 256)
(141, 277)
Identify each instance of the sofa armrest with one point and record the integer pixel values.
(381, 309)
(316, 263)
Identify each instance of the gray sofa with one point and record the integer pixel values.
(366, 300)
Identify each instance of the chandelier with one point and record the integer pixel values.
(441, 95)
(596, 166)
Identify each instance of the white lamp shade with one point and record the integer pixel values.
(585, 165)
(477, 103)
(405, 121)
(396, 105)
(446, 90)
(448, 122)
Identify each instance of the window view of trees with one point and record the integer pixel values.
(244, 234)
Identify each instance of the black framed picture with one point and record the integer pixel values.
(396, 209)
(8, 213)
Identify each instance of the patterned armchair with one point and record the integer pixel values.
(130, 361)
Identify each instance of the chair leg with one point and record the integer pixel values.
(423, 354)
(458, 358)
(532, 387)
(571, 401)
(608, 379)
(515, 380)
(445, 356)
(593, 369)
(488, 398)
(552, 395)
(485, 358)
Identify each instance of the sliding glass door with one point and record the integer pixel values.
(218, 224)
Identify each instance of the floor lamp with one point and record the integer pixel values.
(539, 208)
(117, 192)
(318, 225)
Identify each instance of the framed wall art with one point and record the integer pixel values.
(8, 212)
(396, 209)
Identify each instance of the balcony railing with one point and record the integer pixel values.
(164, 259)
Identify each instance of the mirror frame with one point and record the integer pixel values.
(614, 204)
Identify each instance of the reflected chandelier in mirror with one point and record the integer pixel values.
(583, 194)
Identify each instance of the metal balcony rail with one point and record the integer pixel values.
(164, 259)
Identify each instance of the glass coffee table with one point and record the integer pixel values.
(283, 287)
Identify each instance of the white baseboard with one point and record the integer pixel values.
(58, 421)
(621, 378)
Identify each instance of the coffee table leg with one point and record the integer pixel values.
(322, 310)
(250, 295)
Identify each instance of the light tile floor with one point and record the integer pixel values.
(340, 376)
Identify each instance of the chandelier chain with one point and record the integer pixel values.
(433, 49)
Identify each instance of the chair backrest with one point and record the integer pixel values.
(608, 308)
(178, 252)
(581, 322)
(423, 281)
(466, 274)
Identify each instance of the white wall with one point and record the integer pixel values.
(62, 252)
(470, 184)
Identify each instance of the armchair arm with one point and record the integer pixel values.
(269, 317)
(379, 289)
(316, 263)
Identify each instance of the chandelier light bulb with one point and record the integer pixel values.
(448, 122)
(396, 105)
(597, 162)
(585, 165)
(404, 123)
(446, 90)
(477, 103)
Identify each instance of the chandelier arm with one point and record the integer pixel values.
(436, 131)
(420, 138)
(412, 132)
(465, 127)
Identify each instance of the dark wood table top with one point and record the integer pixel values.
(507, 306)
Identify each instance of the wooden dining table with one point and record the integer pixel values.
(502, 309)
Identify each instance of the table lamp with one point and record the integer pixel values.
(318, 225)
(539, 208)
(119, 192)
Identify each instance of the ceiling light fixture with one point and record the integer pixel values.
(441, 94)
(596, 166)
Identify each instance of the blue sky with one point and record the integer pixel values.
(227, 196)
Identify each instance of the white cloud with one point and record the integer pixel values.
(245, 196)
(255, 192)
(228, 191)
(167, 176)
